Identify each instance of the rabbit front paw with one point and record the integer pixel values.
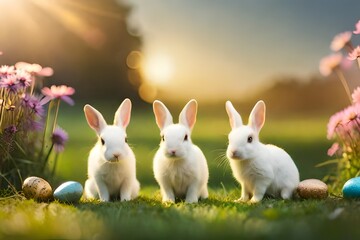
(191, 199)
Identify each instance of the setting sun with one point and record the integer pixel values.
(158, 69)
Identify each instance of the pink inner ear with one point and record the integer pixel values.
(125, 116)
(126, 120)
(188, 114)
(160, 115)
(258, 120)
(92, 119)
(259, 117)
(191, 117)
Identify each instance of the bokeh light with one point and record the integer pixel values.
(158, 69)
(148, 92)
(133, 60)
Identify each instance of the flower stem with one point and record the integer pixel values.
(56, 115)
(45, 129)
(47, 158)
(32, 84)
(344, 83)
(2, 104)
(55, 164)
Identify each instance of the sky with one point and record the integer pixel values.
(209, 49)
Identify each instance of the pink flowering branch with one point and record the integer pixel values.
(332, 63)
(357, 28)
(355, 55)
(342, 40)
(342, 78)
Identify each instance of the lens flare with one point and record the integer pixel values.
(158, 69)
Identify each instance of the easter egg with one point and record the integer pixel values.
(70, 192)
(37, 188)
(351, 188)
(312, 189)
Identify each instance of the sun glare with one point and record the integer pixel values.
(158, 69)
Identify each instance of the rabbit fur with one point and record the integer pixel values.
(260, 169)
(180, 167)
(111, 162)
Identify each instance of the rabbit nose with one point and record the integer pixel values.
(172, 153)
(235, 154)
(116, 155)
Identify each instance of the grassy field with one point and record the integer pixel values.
(214, 218)
(146, 218)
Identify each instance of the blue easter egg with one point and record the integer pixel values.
(70, 192)
(351, 188)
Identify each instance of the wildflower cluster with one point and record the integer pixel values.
(28, 121)
(344, 126)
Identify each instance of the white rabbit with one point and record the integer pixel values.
(260, 169)
(180, 167)
(111, 162)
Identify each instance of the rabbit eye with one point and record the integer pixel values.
(186, 137)
(126, 139)
(163, 138)
(250, 139)
(102, 141)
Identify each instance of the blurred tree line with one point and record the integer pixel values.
(86, 42)
(291, 96)
(314, 96)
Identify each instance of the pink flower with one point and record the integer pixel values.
(329, 63)
(10, 82)
(335, 148)
(46, 72)
(35, 69)
(349, 114)
(334, 122)
(349, 129)
(62, 92)
(31, 68)
(24, 78)
(354, 54)
(356, 95)
(6, 70)
(340, 41)
(357, 28)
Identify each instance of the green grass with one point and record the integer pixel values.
(215, 218)
(147, 218)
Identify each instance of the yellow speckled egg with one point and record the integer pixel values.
(37, 188)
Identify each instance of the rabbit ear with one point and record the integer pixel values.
(257, 116)
(234, 116)
(188, 114)
(122, 115)
(162, 115)
(94, 118)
